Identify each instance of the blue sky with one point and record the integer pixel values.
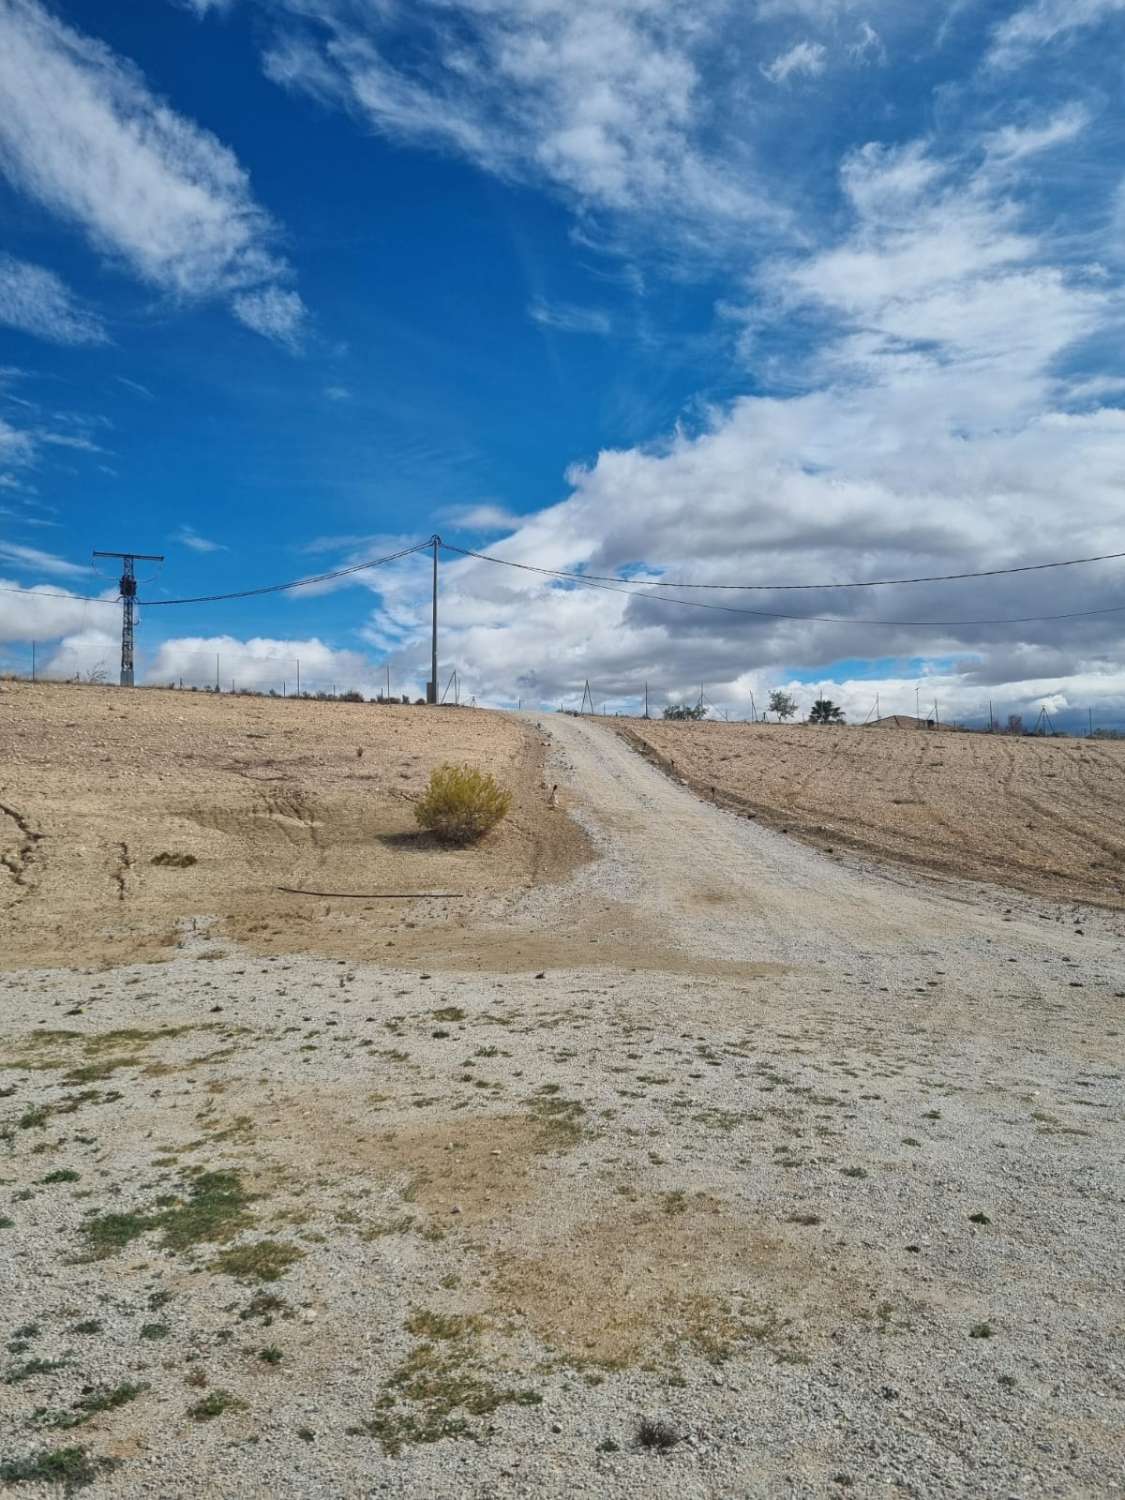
(773, 292)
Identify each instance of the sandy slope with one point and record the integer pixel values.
(121, 813)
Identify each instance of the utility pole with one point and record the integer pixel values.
(33, 645)
(431, 689)
(128, 588)
(216, 671)
(646, 700)
(298, 676)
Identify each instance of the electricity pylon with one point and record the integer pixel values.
(128, 587)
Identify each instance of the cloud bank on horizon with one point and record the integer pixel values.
(905, 231)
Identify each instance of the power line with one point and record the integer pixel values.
(765, 614)
(296, 583)
(770, 588)
(37, 593)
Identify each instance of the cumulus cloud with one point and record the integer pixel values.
(930, 432)
(82, 134)
(36, 301)
(262, 664)
(808, 58)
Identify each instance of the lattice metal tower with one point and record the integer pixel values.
(128, 603)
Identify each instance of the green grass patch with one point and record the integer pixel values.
(214, 1404)
(108, 1399)
(72, 1468)
(213, 1208)
(264, 1260)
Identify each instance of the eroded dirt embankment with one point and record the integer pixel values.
(123, 813)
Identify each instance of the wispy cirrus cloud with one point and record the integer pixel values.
(809, 59)
(83, 134)
(34, 560)
(36, 301)
(187, 536)
(1044, 22)
(602, 99)
(569, 318)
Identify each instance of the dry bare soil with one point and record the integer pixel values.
(1037, 814)
(122, 813)
(709, 1166)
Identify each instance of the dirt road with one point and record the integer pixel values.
(814, 1168)
(689, 876)
(1046, 815)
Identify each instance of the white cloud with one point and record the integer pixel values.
(44, 562)
(263, 663)
(135, 386)
(41, 611)
(86, 654)
(868, 45)
(482, 517)
(1012, 143)
(36, 301)
(273, 312)
(81, 133)
(568, 318)
(1044, 22)
(337, 393)
(931, 433)
(808, 58)
(603, 99)
(187, 536)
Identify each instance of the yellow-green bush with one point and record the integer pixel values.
(461, 804)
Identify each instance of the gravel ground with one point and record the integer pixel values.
(813, 1168)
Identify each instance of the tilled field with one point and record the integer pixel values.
(1039, 814)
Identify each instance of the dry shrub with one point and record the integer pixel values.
(461, 804)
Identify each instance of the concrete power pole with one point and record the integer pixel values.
(128, 602)
(431, 686)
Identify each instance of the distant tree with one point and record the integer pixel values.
(782, 704)
(824, 711)
(97, 674)
(685, 711)
(1015, 723)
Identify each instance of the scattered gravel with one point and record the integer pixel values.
(806, 1181)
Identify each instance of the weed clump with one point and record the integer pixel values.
(72, 1468)
(461, 804)
(214, 1404)
(264, 1260)
(654, 1433)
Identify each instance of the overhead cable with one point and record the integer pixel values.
(771, 588)
(295, 583)
(766, 614)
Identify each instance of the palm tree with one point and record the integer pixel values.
(824, 711)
